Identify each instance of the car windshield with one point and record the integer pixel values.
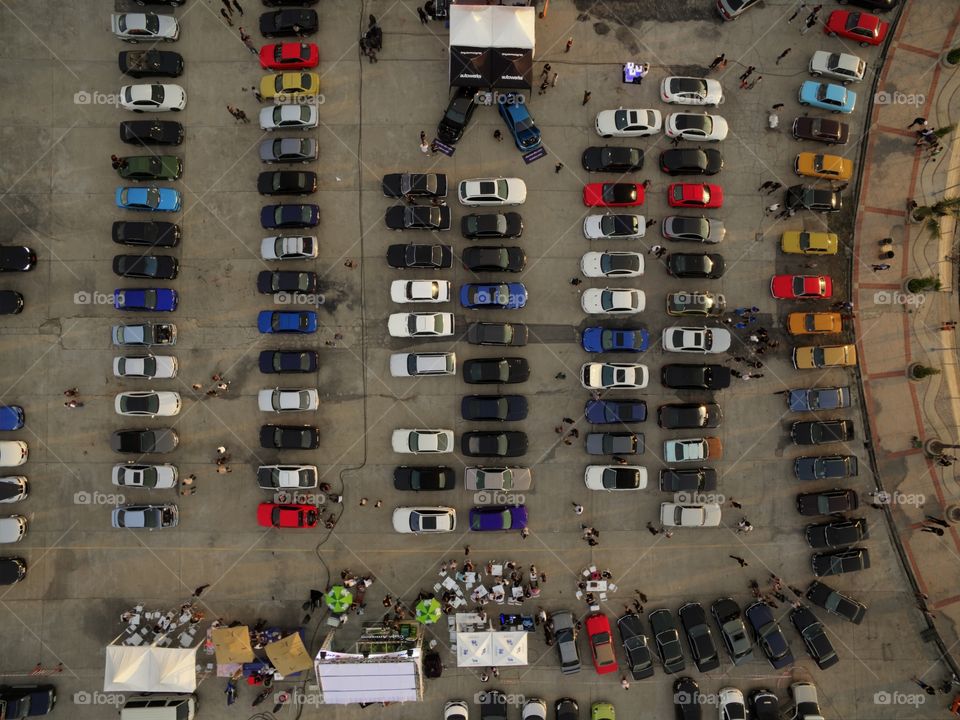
(622, 263)
(689, 86)
(457, 111)
(705, 193)
(152, 23)
(151, 518)
(694, 122)
(502, 188)
(505, 517)
(153, 197)
(692, 227)
(621, 119)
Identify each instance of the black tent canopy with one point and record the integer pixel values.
(470, 67)
(497, 68)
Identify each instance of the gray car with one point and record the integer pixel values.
(145, 517)
(614, 443)
(666, 635)
(565, 632)
(497, 478)
(288, 150)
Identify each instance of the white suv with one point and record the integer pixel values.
(429, 363)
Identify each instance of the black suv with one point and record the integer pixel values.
(457, 116)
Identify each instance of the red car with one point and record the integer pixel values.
(694, 195)
(800, 287)
(865, 28)
(287, 516)
(601, 644)
(612, 194)
(289, 56)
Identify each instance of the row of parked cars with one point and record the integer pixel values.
(13, 489)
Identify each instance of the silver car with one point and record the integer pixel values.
(289, 150)
(498, 478)
(145, 517)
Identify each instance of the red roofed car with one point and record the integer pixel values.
(287, 516)
(612, 194)
(289, 56)
(799, 287)
(694, 195)
(865, 28)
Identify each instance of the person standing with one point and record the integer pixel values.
(921, 121)
(717, 60)
(498, 136)
(248, 41)
(423, 16)
(642, 70)
(586, 97)
(782, 55)
(796, 12)
(558, 167)
(226, 17)
(569, 45)
(545, 73)
(747, 73)
(237, 6)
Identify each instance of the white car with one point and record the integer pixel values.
(428, 363)
(13, 453)
(150, 477)
(615, 477)
(13, 488)
(147, 403)
(497, 478)
(628, 123)
(153, 98)
(611, 264)
(612, 301)
(681, 90)
(614, 376)
(420, 324)
(702, 127)
(289, 247)
(608, 225)
(844, 67)
(12, 528)
(134, 27)
(534, 709)
(692, 515)
(145, 367)
(418, 441)
(731, 704)
(287, 477)
(455, 710)
(292, 400)
(691, 449)
(420, 291)
(145, 517)
(416, 520)
(289, 117)
(488, 192)
(806, 705)
(696, 340)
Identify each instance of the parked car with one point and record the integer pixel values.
(145, 367)
(827, 96)
(417, 520)
(695, 377)
(636, 648)
(148, 403)
(145, 517)
(825, 130)
(151, 132)
(726, 614)
(691, 161)
(420, 324)
(612, 194)
(824, 356)
(289, 149)
(433, 257)
(457, 115)
(147, 27)
(147, 234)
(286, 182)
(281, 400)
(827, 502)
(628, 123)
(612, 301)
(611, 226)
(694, 195)
(11, 302)
(11, 417)
(287, 321)
(502, 370)
(144, 334)
(486, 333)
(731, 704)
(148, 198)
(689, 514)
(703, 340)
(804, 696)
(150, 267)
(289, 437)
(814, 637)
(289, 216)
(614, 443)
(677, 416)
(417, 217)
(731, 10)
(489, 258)
(289, 86)
(492, 518)
(610, 412)
(695, 265)
(823, 166)
(694, 302)
(13, 488)
(693, 618)
(497, 478)
(493, 443)
(694, 229)
(692, 449)
(291, 282)
(769, 636)
(688, 480)
(601, 339)
(422, 441)
(428, 363)
(666, 634)
(289, 23)
(288, 117)
(815, 323)
(484, 226)
(818, 398)
(765, 705)
(287, 477)
(156, 97)
(821, 432)
(520, 125)
(836, 603)
(866, 28)
(493, 407)
(146, 299)
(687, 699)
(416, 478)
(611, 264)
(836, 533)
(420, 291)
(142, 442)
(287, 515)
(681, 90)
(614, 376)
(802, 242)
(801, 287)
(565, 632)
(612, 159)
(289, 56)
(838, 562)
(600, 638)
(844, 67)
(426, 185)
(492, 191)
(810, 197)
(825, 467)
(615, 477)
(150, 167)
(701, 127)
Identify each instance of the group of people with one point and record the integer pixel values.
(71, 402)
(926, 136)
(372, 41)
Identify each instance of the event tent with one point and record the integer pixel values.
(491, 46)
(491, 648)
(150, 669)
(347, 678)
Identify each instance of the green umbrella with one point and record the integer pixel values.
(428, 611)
(339, 599)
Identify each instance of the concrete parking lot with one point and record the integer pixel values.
(58, 187)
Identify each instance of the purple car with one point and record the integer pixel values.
(498, 517)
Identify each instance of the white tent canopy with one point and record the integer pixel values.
(150, 669)
(492, 26)
(491, 648)
(347, 678)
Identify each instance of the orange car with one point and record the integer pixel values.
(815, 323)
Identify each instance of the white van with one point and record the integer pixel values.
(159, 707)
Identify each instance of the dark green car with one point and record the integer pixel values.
(151, 167)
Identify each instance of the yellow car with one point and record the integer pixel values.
(824, 356)
(289, 85)
(814, 323)
(828, 167)
(809, 243)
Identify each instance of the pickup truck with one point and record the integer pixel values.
(692, 449)
(145, 334)
(146, 63)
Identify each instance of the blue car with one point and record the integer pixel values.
(146, 299)
(149, 198)
(289, 216)
(11, 417)
(509, 296)
(606, 412)
(526, 135)
(287, 321)
(491, 518)
(827, 96)
(598, 339)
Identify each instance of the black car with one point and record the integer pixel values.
(609, 412)
(489, 333)
(493, 407)
(288, 23)
(287, 281)
(699, 638)
(691, 161)
(411, 477)
(686, 699)
(151, 132)
(17, 258)
(814, 637)
(695, 265)
(566, 709)
(764, 704)
(666, 634)
(839, 562)
(146, 234)
(482, 226)
(158, 440)
(493, 443)
(825, 130)
(457, 115)
(150, 63)
(289, 437)
(695, 377)
(612, 159)
(693, 228)
(154, 267)
(418, 217)
(827, 502)
(487, 258)
(288, 361)
(493, 705)
(875, 5)
(429, 185)
(636, 649)
(296, 3)
(726, 614)
(677, 416)
(769, 635)
(434, 257)
(825, 467)
(810, 197)
(822, 595)
(287, 182)
(21, 701)
(11, 302)
(504, 370)
(688, 480)
(12, 570)
(820, 432)
(836, 533)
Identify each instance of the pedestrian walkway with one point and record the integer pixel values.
(895, 328)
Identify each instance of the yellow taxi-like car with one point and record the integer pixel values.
(815, 323)
(289, 85)
(828, 167)
(824, 356)
(809, 243)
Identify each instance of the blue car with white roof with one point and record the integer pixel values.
(827, 96)
(506, 296)
(149, 198)
(600, 339)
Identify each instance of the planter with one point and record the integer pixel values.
(918, 285)
(933, 448)
(951, 59)
(951, 513)
(917, 372)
